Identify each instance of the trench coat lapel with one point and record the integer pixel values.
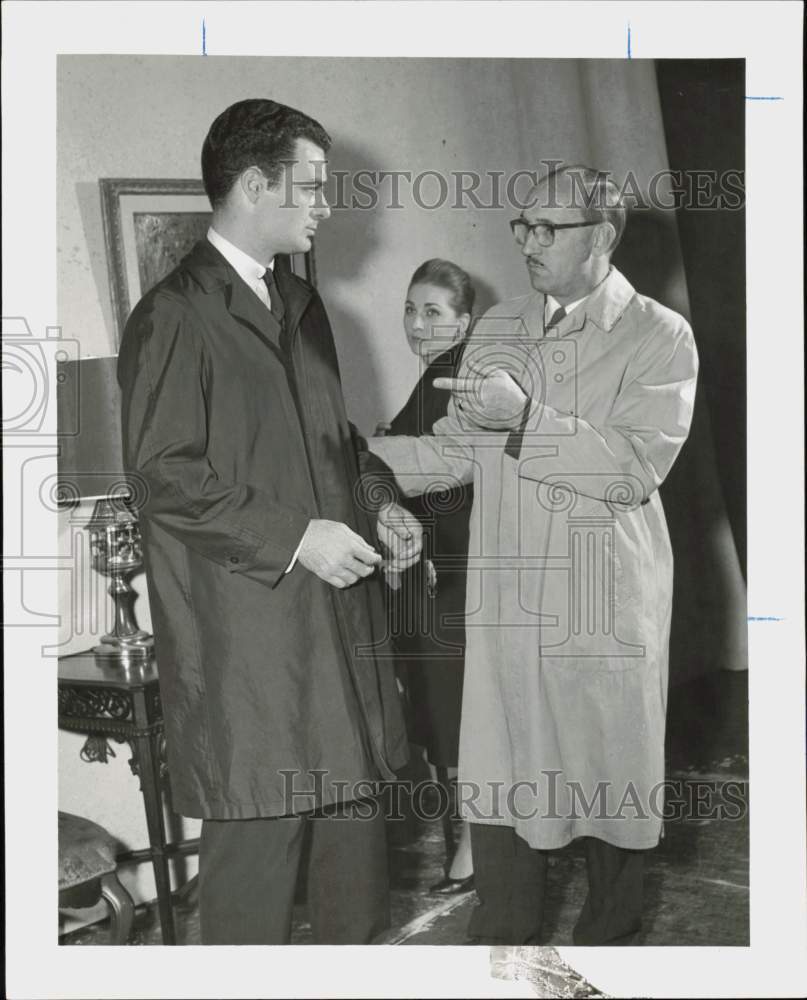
(573, 323)
(604, 306)
(532, 316)
(295, 292)
(214, 274)
(531, 320)
(245, 306)
(609, 301)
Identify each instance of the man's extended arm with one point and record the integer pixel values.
(432, 463)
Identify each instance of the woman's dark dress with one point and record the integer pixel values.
(429, 632)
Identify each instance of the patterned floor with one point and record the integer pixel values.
(697, 879)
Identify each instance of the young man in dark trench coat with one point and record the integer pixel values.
(278, 714)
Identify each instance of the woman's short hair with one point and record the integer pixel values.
(254, 133)
(446, 274)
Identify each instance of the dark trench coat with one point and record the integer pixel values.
(271, 685)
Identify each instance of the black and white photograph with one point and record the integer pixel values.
(404, 499)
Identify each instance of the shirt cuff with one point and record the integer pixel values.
(290, 566)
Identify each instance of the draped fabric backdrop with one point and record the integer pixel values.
(703, 104)
(611, 118)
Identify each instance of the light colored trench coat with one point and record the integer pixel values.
(570, 568)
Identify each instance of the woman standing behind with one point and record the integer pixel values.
(429, 606)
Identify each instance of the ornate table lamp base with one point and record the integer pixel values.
(117, 553)
(126, 649)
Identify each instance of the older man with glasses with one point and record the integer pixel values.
(569, 410)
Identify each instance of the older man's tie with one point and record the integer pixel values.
(555, 318)
(516, 438)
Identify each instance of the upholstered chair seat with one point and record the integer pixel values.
(87, 872)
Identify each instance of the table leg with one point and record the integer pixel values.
(149, 769)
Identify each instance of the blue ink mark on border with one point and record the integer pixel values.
(204, 38)
(629, 55)
(764, 618)
(749, 98)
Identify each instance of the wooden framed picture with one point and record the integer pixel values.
(149, 226)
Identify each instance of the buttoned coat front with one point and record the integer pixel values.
(272, 687)
(569, 591)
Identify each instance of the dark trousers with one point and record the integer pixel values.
(248, 871)
(510, 879)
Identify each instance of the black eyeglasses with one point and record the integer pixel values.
(544, 232)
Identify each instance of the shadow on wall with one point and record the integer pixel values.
(354, 250)
(486, 294)
(349, 242)
(88, 196)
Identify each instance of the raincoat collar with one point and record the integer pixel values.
(213, 273)
(609, 300)
(603, 307)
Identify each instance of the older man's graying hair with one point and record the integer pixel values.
(594, 192)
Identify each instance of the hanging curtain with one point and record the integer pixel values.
(608, 115)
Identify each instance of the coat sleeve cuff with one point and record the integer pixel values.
(276, 556)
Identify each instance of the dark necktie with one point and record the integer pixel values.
(276, 307)
(516, 437)
(555, 318)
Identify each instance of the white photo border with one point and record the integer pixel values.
(768, 35)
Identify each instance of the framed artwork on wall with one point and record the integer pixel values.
(149, 226)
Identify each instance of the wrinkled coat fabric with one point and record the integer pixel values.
(271, 687)
(569, 592)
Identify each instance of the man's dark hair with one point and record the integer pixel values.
(254, 133)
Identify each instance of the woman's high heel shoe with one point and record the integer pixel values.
(452, 886)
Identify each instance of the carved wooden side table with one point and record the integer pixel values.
(104, 701)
